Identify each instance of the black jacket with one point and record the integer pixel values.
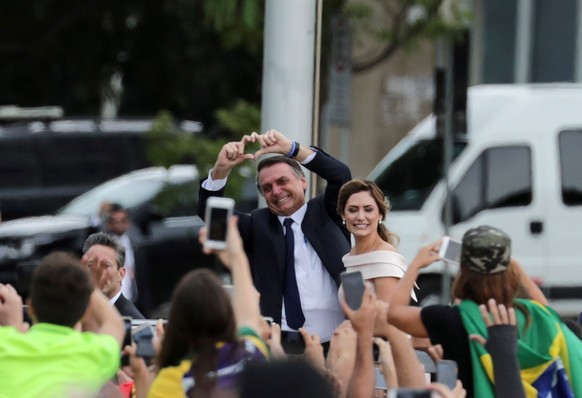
(264, 240)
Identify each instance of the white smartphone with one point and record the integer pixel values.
(450, 250)
(218, 212)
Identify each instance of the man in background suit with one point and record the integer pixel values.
(104, 255)
(320, 240)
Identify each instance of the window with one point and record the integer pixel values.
(409, 180)
(499, 177)
(499, 18)
(555, 22)
(570, 145)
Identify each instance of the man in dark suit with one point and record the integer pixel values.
(104, 255)
(319, 238)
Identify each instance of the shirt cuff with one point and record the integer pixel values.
(213, 185)
(310, 157)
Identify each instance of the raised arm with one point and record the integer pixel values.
(400, 313)
(362, 383)
(530, 286)
(246, 297)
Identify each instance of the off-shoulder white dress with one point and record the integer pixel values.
(377, 264)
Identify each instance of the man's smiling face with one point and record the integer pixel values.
(283, 190)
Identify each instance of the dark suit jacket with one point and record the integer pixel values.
(126, 308)
(264, 240)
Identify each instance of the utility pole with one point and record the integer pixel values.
(288, 68)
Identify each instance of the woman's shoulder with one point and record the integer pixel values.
(382, 255)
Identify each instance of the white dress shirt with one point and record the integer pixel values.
(317, 289)
(128, 284)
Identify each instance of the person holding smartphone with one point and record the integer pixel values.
(363, 207)
(486, 272)
(297, 278)
(209, 338)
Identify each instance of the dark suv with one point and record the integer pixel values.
(162, 204)
(45, 164)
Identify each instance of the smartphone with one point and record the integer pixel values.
(410, 393)
(143, 336)
(353, 286)
(218, 212)
(447, 373)
(450, 250)
(126, 339)
(379, 381)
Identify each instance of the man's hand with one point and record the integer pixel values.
(273, 142)
(10, 307)
(232, 154)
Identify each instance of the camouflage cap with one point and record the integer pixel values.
(486, 250)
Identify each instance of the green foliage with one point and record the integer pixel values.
(168, 145)
(402, 24)
(239, 22)
(242, 118)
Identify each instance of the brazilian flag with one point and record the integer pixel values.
(549, 354)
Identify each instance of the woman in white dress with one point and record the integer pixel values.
(362, 206)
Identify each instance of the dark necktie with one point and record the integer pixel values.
(293, 311)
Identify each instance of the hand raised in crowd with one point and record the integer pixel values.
(426, 255)
(341, 357)
(387, 365)
(313, 350)
(497, 315)
(364, 318)
(10, 307)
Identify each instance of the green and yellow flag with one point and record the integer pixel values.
(549, 354)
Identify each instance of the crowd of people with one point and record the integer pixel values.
(286, 329)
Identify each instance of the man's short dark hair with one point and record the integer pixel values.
(115, 208)
(60, 289)
(103, 239)
(272, 160)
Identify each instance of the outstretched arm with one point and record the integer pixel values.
(401, 314)
(246, 297)
(362, 383)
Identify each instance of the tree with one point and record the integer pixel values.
(167, 52)
(384, 26)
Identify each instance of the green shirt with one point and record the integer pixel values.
(52, 361)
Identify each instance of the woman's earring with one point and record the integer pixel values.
(344, 222)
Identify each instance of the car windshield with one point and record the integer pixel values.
(128, 193)
(409, 180)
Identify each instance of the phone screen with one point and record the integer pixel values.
(127, 327)
(409, 393)
(218, 222)
(353, 286)
(447, 373)
(453, 251)
(126, 339)
(143, 337)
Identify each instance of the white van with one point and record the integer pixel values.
(518, 168)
